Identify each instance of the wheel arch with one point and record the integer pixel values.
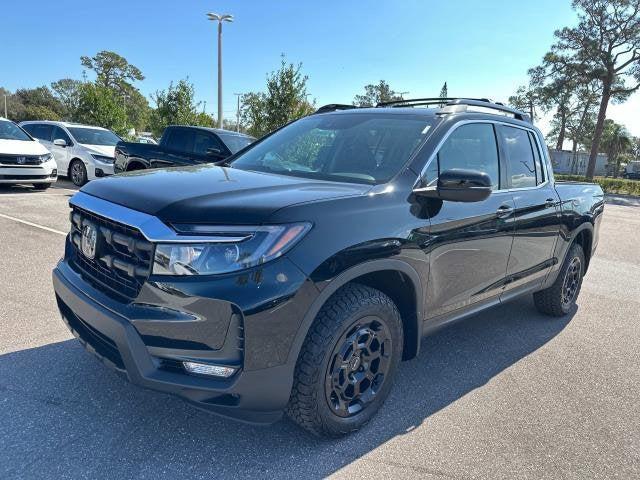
(396, 279)
(71, 162)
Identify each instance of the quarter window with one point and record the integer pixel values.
(519, 152)
(471, 147)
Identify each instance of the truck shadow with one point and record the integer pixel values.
(64, 413)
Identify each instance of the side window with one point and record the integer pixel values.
(181, 140)
(472, 147)
(60, 133)
(204, 141)
(40, 131)
(538, 160)
(517, 144)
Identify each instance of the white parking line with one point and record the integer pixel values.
(42, 227)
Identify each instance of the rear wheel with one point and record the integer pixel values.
(78, 173)
(41, 186)
(559, 298)
(347, 363)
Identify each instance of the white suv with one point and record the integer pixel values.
(82, 152)
(22, 159)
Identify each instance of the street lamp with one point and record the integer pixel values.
(214, 17)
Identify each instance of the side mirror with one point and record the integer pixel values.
(214, 152)
(60, 142)
(458, 185)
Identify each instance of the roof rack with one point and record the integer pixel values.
(332, 107)
(457, 105)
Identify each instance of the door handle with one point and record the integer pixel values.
(550, 202)
(504, 211)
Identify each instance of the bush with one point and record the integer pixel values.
(609, 185)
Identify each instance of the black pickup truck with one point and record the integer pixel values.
(297, 276)
(180, 146)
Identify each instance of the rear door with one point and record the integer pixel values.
(470, 242)
(537, 223)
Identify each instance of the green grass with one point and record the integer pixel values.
(609, 185)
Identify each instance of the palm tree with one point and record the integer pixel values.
(616, 141)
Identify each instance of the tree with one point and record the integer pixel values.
(67, 92)
(606, 42)
(33, 104)
(616, 142)
(374, 94)
(174, 106)
(112, 70)
(285, 100)
(444, 93)
(101, 106)
(527, 98)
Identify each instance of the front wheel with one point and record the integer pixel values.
(347, 363)
(78, 173)
(559, 298)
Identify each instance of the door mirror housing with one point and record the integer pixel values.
(60, 142)
(459, 185)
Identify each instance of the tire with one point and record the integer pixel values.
(559, 299)
(331, 370)
(78, 173)
(41, 186)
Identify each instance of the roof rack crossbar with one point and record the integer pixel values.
(425, 101)
(517, 114)
(332, 107)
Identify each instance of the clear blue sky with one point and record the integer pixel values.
(481, 48)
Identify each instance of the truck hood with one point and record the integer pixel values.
(210, 194)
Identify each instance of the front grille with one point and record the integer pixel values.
(20, 160)
(23, 177)
(122, 260)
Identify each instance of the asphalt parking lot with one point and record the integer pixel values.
(505, 394)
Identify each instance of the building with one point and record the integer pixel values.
(565, 162)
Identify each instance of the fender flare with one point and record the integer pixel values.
(345, 277)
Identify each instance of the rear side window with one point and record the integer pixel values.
(181, 140)
(40, 131)
(520, 159)
(472, 147)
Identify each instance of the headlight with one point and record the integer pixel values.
(103, 158)
(45, 158)
(228, 249)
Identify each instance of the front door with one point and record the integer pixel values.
(62, 154)
(469, 242)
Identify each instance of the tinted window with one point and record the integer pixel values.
(203, 142)
(59, 133)
(40, 131)
(10, 131)
(519, 153)
(181, 140)
(349, 147)
(538, 160)
(472, 147)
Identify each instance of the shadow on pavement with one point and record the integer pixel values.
(64, 414)
(623, 200)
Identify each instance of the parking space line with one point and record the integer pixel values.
(31, 224)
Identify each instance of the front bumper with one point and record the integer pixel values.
(44, 173)
(100, 169)
(256, 396)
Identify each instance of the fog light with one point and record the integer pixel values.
(54, 172)
(206, 369)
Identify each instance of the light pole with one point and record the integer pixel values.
(214, 17)
(238, 112)
(5, 106)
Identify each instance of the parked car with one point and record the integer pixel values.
(632, 170)
(82, 152)
(23, 159)
(297, 277)
(179, 146)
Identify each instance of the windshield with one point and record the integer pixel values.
(235, 143)
(94, 136)
(10, 131)
(353, 147)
